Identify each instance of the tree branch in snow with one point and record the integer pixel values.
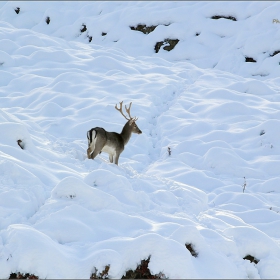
(20, 143)
(142, 271)
(190, 246)
(23, 276)
(169, 150)
(17, 10)
(244, 184)
(101, 275)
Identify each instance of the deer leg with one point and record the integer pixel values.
(94, 153)
(111, 158)
(98, 146)
(117, 159)
(91, 135)
(89, 151)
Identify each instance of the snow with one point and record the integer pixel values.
(205, 170)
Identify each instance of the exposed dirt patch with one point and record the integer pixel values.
(169, 44)
(144, 28)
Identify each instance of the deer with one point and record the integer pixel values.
(112, 143)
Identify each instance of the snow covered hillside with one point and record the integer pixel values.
(197, 194)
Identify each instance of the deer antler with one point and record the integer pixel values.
(127, 110)
(120, 110)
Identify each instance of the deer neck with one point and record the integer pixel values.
(126, 133)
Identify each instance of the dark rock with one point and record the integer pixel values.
(249, 59)
(225, 17)
(189, 246)
(84, 28)
(275, 53)
(251, 259)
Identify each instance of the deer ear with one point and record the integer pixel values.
(131, 121)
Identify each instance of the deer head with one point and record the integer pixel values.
(131, 122)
